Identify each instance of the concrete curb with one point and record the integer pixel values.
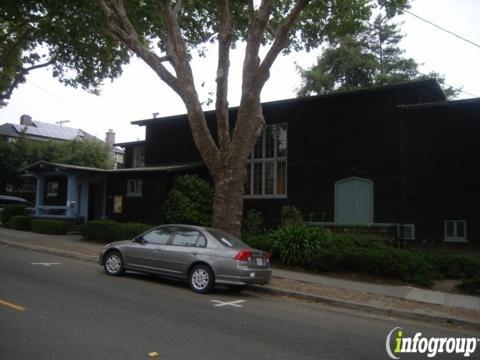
(47, 250)
(445, 320)
(379, 310)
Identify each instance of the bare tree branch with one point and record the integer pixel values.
(121, 29)
(177, 6)
(225, 36)
(256, 29)
(281, 40)
(201, 134)
(20, 78)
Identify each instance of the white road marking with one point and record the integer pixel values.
(235, 303)
(46, 264)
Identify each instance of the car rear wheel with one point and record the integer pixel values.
(113, 264)
(201, 279)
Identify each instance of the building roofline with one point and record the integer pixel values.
(440, 104)
(166, 168)
(127, 143)
(408, 84)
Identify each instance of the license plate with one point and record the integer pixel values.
(260, 261)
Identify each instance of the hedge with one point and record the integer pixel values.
(51, 227)
(12, 210)
(108, 230)
(317, 249)
(21, 222)
(471, 286)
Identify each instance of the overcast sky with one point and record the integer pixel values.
(139, 92)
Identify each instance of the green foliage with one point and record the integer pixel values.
(16, 155)
(106, 231)
(10, 211)
(66, 35)
(370, 57)
(47, 226)
(454, 266)
(130, 230)
(471, 286)
(317, 249)
(252, 222)
(295, 242)
(291, 215)
(263, 242)
(189, 202)
(21, 222)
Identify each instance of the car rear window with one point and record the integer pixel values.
(227, 239)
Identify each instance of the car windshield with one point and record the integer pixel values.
(227, 239)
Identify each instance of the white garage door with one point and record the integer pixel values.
(354, 201)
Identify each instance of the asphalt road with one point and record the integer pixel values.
(74, 311)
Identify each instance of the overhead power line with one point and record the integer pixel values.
(442, 28)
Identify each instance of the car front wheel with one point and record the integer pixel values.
(201, 279)
(113, 264)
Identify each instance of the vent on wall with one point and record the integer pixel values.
(408, 231)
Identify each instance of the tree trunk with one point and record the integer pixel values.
(228, 199)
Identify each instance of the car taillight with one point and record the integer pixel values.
(243, 255)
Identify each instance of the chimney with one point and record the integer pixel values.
(26, 120)
(110, 138)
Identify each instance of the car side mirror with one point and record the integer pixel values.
(139, 239)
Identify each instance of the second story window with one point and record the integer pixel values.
(266, 172)
(138, 157)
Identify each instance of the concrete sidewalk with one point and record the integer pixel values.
(404, 301)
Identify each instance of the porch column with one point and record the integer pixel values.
(39, 193)
(72, 196)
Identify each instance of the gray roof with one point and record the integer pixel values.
(45, 165)
(40, 129)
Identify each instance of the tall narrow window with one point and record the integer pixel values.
(138, 157)
(266, 173)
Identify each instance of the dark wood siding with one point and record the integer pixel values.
(327, 142)
(441, 169)
(146, 208)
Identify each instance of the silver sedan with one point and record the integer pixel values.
(202, 256)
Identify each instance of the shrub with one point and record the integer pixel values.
(108, 230)
(101, 230)
(252, 222)
(471, 286)
(189, 202)
(46, 226)
(261, 242)
(291, 215)
(130, 229)
(12, 210)
(317, 249)
(296, 243)
(454, 266)
(21, 222)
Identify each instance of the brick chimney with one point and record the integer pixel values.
(110, 138)
(26, 120)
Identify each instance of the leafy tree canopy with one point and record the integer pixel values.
(14, 156)
(371, 57)
(66, 35)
